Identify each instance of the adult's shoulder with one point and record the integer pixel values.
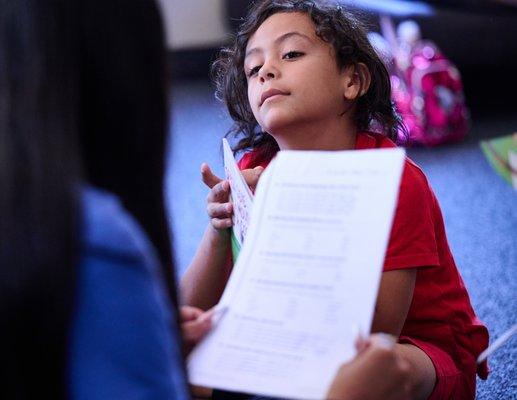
(107, 227)
(124, 342)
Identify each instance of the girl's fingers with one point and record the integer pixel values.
(251, 176)
(208, 177)
(219, 210)
(218, 207)
(221, 223)
(220, 193)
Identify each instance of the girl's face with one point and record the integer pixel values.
(293, 76)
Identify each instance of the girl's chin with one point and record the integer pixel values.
(278, 126)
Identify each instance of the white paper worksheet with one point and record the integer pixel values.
(307, 277)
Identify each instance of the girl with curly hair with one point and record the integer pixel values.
(301, 75)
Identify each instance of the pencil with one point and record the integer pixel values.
(497, 343)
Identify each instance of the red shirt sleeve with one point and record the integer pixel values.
(254, 158)
(245, 162)
(412, 241)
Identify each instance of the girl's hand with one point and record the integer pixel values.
(208, 177)
(377, 372)
(219, 208)
(195, 324)
(252, 176)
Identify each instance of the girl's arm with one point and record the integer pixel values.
(205, 279)
(393, 302)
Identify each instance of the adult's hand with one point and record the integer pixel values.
(195, 324)
(376, 373)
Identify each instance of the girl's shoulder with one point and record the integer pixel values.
(372, 140)
(258, 157)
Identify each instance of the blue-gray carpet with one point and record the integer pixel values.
(480, 211)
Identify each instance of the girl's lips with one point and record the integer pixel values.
(270, 93)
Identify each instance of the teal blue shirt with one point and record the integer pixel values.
(124, 339)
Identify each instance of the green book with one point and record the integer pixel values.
(502, 156)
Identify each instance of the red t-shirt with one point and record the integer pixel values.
(440, 313)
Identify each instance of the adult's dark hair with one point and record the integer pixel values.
(334, 25)
(39, 207)
(124, 110)
(82, 98)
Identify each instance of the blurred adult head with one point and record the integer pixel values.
(82, 99)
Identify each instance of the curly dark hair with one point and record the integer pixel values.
(334, 25)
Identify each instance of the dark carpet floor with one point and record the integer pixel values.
(479, 208)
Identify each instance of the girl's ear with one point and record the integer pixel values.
(357, 79)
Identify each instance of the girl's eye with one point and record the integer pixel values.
(292, 54)
(254, 70)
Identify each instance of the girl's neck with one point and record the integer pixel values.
(340, 136)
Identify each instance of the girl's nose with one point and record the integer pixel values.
(265, 77)
(267, 72)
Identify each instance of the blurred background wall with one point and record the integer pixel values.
(193, 24)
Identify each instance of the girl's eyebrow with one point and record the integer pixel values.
(279, 40)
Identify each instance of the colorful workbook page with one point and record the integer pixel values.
(241, 198)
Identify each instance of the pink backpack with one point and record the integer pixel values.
(426, 88)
